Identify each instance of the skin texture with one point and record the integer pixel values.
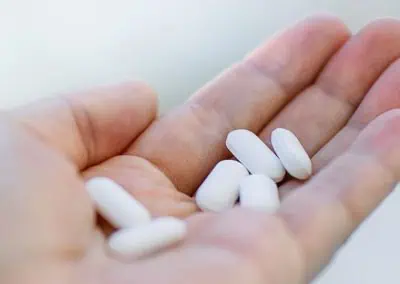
(337, 92)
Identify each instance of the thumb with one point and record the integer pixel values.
(94, 126)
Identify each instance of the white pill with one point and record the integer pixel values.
(116, 205)
(220, 189)
(260, 193)
(291, 153)
(147, 239)
(252, 152)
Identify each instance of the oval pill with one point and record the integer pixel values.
(291, 153)
(252, 152)
(115, 204)
(220, 189)
(260, 193)
(147, 239)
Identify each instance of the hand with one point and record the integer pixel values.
(315, 79)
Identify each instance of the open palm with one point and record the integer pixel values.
(314, 79)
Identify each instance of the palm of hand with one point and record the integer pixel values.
(313, 79)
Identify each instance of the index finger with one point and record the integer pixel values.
(187, 143)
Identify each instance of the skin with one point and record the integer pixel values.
(337, 92)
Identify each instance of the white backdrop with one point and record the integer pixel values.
(53, 46)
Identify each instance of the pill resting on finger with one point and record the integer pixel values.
(220, 189)
(147, 239)
(115, 204)
(252, 152)
(260, 193)
(291, 153)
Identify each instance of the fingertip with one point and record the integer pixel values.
(300, 50)
(328, 23)
(382, 24)
(380, 31)
(140, 93)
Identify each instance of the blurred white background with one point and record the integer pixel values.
(55, 46)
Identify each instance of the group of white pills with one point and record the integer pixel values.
(230, 180)
(251, 180)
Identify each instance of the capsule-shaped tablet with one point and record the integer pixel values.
(147, 239)
(260, 193)
(220, 189)
(252, 152)
(291, 153)
(116, 205)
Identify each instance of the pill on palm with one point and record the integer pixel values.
(116, 205)
(252, 152)
(147, 239)
(260, 193)
(220, 189)
(291, 153)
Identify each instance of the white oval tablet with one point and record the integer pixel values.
(252, 152)
(220, 189)
(116, 205)
(147, 239)
(291, 153)
(260, 193)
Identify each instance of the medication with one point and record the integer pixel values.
(252, 152)
(220, 189)
(116, 205)
(291, 153)
(259, 192)
(147, 239)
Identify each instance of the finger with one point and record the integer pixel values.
(381, 98)
(186, 144)
(94, 126)
(323, 213)
(322, 110)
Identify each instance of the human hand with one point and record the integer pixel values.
(314, 79)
